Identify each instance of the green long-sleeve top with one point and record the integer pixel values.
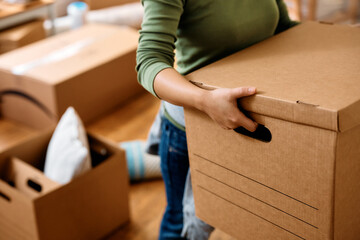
(202, 31)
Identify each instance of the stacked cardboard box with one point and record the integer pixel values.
(22, 35)
(303, 182)
(91, 69)
(34, 207)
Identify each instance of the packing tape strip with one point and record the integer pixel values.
(57, 55)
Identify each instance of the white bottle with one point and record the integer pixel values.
(77, 11)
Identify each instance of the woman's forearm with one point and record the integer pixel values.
(220, 104)
(172, 87)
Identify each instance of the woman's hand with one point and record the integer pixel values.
(221, 105)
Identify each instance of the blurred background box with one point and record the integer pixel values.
(91, 69)
(14, 14)
(130, 14)
(61, 5)
(337, 11)
(21, 35)
(89, 207)
(98, 4)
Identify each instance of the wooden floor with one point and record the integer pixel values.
(147, 203)
(129, 122)
(12, 133)
(147, 199)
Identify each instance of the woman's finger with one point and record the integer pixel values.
(242, 92)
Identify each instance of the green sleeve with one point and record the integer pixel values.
(157, 39)
(284, 21)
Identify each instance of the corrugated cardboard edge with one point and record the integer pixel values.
(297, 112)
(347, 186)
(349, 117)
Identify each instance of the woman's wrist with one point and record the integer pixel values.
(201, 99)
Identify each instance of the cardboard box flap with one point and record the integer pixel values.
(53, 60)
(29, 180)
(308, 74)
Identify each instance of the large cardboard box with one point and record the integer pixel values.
(98, 4)
(34, 207)
(304, 181)
(91, 69)
(22, 35)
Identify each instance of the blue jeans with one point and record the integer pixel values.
(174, 168)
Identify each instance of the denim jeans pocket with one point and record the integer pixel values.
(173, 153)
(179, 151)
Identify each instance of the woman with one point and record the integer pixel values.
(202, 31)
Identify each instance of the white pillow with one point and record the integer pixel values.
(68, 152)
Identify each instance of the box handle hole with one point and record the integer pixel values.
(5, 197)
(262, 133)
(37, 187)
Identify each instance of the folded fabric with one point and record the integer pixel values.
(194, 228)
(68, 154)
(154, 135)
(141, 165)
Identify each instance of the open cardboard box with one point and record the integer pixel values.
(91, 69)
(303, 180)
(34, 207)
